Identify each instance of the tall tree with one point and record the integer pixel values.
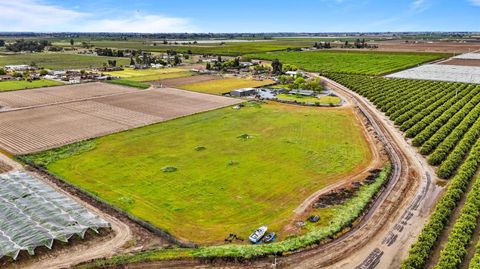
(276, 67)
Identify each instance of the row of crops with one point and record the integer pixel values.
(351, 62)
(443, 120)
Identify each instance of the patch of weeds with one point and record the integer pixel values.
(233, 163)
(244, 136)
(169, 169)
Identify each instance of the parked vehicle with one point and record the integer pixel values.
(314, 218)
(268, 238)
(257, 235)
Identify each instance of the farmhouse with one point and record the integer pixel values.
(5, 77)
(243, 92)
(292, 73)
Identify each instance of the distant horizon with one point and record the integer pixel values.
(247, 33)
(215, 16)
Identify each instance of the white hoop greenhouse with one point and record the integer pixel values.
(33, 214)
(454, 73)
(468, 56)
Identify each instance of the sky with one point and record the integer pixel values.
(239, 16)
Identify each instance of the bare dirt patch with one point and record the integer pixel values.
(175, 82)
(43, 127)
(46, 96)
(450, 47)
(462, 62)
(4, 167)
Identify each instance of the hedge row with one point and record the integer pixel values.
(424, 129)
(451, 141)
(448, 127)
(455, 158)
(422, 248)
(459, 238)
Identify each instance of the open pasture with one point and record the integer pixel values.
(233, 169)
(63, 119)
(221, 86)
(59, 60)
(351, 62)
(228, 48)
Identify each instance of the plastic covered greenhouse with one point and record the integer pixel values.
(442, 72)
(33, 214)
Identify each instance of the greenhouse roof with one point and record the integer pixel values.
(33, 214)
(442, 72)
(469, 56)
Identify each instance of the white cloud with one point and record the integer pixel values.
(475, 2)
(418, 5)
(32, 15)
(38, 16)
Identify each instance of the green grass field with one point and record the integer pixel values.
(129, 83)
(59, 60)
(368, 63)
(23, 84)
(226, 85)
(229, 48)
(151, 74)
(237, 169)
(309, 99)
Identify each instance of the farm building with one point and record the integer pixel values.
(293, 73)
(5, 77)
(303, 92)
(243, 92)
(20, 67)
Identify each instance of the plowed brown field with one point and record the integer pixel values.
(69, 114)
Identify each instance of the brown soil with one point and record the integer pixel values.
(462, 62)
(448, 47)
(4, 167)
(49, 125)
(175, 82)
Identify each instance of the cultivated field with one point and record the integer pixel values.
(225, 85)
(151, 74)
(443, 120)
(177, 82)
(61, 94)
(59, 60)
(225, 171)
(462, 62)
(23, 84)
(436, 46)
(67, 114)
(351, 62)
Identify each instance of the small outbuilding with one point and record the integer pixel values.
(303, 92)
(243, 92)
